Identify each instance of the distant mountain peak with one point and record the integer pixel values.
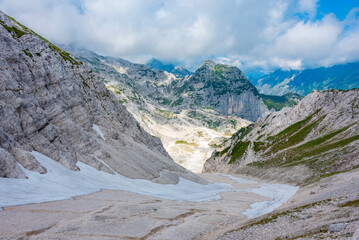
(344, 76)
(157, 64)
(208, 63)
(178, 71)
(179, 67)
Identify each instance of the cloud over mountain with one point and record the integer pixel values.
(250, 33)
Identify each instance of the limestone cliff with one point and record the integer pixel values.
(316, 138)
(51, 103)
(225, 89)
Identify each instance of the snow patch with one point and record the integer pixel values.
(104, 163)
(279, 193)
(61, 183)
(98, 130)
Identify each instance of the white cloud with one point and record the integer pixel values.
(287, 63)
(308, 40)
(251, 32)
(308, 6)
(233, 61)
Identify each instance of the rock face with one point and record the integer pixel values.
(304, 81)
(314, 139)
(50, 102)
(225, 89)
(220, 87)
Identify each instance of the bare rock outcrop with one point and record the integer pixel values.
(27, 160)
(224, 88)
(8, 166)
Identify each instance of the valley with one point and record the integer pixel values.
(96, 147)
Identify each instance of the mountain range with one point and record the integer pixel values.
(344, 77)
(188, 130)
(103, 127)
(198, 111)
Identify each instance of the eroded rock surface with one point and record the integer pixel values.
(49, 102)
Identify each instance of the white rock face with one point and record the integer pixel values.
(49, 102)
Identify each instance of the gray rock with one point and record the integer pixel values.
(8, 166)
(356, 235)
(323, 185)
(49, 102)
(225, 89)
(337, 227)
(27, 160)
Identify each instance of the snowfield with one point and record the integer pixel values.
(61, 183)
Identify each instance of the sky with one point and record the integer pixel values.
(251, 34)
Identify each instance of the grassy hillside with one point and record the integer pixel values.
(279, 102)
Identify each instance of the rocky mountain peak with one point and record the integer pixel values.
(212, 71)
(208, 64)
(226, 89)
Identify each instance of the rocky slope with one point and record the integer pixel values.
(316, 138)
(327, 209)
(51, 103)
(304, 81)
(278, 102)
(189, 135)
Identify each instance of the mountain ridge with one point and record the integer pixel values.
(344, 77)
(297, 143)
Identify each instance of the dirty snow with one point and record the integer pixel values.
(279, 193)
(61, 183)
(98, 130)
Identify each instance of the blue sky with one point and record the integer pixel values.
(251, 34)
(339, 8)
